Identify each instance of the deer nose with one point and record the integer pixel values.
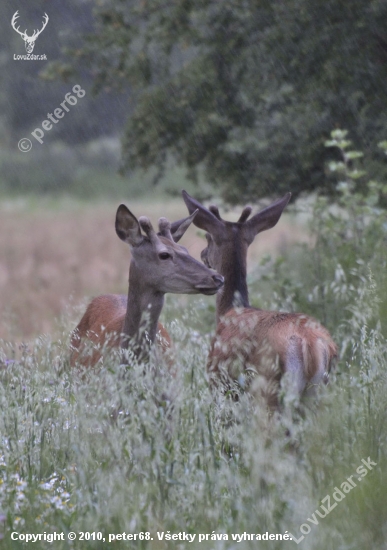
(218, 279)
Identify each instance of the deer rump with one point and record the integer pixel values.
(112, 308)
(253, 349)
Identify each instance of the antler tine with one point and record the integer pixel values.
(165, 228)
(147, 227)
(13, 23)
(245, 214)
(215, 210)
(45, 21)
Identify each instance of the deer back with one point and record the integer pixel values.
(248, 341)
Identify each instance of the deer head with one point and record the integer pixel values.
(158, 263)
(227, 244)
(225, 238)
(28, 40)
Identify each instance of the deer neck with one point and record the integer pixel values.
(233, 268)
(142, 315)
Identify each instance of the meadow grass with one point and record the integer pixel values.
(124, 449)
(131, 449)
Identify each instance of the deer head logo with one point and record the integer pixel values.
(29, 40)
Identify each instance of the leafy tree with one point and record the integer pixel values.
(26, 97)
(342, 278)
(245, 90)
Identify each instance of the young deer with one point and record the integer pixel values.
(158, 265)
(251, 341)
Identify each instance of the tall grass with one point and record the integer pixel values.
(132, 449)
(122, 449)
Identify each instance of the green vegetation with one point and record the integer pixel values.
(237, 93)
(132, 449)
(244, 91)
(87, 172)
(240, 95)
(347, 263)
(115, 451)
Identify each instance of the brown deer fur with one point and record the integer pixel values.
(158, 265)
(112, 308)
(248, 341)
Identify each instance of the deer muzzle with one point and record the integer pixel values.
(217, 281)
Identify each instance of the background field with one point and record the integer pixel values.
(60, 252)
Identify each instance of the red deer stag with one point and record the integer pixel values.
(158, 265)
(250, 341)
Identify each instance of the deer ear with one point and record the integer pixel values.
(127, 226)
(204, 219)
(266, 219)
(179, 227)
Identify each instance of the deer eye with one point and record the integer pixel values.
(164, 256)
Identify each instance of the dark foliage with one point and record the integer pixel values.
(246, 90)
